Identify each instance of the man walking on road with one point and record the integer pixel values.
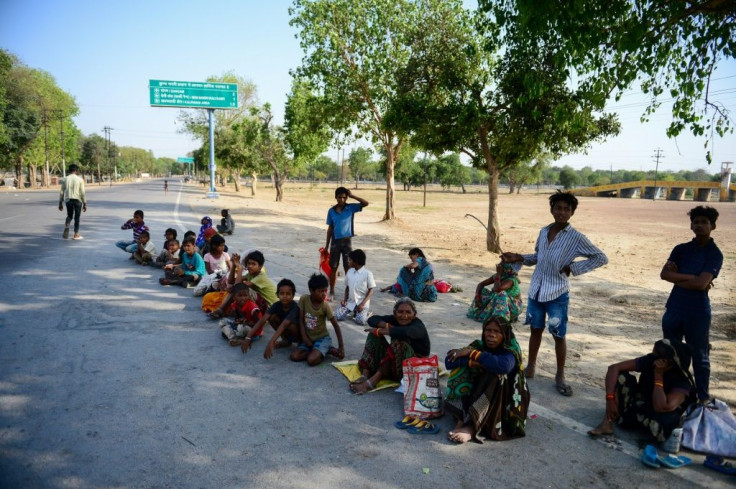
(72, 192)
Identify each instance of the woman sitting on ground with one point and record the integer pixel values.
(416, 279)
(487, 392)
(657, 399)
(502, 299)
(383, 360)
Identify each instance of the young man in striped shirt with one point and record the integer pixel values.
(557, 246)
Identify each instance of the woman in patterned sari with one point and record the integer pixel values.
(487, 392)
(382, 359)
(503, 299)
(415, 280)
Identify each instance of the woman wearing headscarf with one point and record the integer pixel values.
(502, 299)
(206, 224)
(656, 400)
(487, 392)
(415, 279)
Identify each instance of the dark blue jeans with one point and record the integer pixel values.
(73, 211)
(694, 326)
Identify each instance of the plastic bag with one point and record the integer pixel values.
(710, 429)
(324, 261)
(423, 396)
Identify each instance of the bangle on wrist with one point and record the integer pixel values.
(659, 384)
(248, 338)
(610, 397)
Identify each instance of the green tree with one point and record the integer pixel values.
(569, 178)
(324, 168)
(500, 100)
(450, 171)
(359, 163)
(674, 48)
(352, 51)
(306, 134)
(527, 172)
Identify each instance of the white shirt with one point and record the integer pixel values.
(548, 280)
(358, 283)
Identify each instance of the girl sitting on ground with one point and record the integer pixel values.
(206, 224)
(416, 279)
(382, 359)
(656, 400)
(487, 392)
(502, 299)
(217, 260)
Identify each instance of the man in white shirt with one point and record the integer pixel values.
(72, 192)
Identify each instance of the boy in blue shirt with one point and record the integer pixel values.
(340, 231)
(190, 269)
(692, 267)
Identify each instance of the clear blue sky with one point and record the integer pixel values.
(104, 53)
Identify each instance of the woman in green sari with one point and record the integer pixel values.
(487, 392)
(502, 298)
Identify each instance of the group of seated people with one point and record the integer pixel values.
(487, 392)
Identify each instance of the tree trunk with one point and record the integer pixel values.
(462, 186)
(512, 186)
(99, 174)
(492, 234)
(31, 175)
(518, 190)
(279, 184)
(390, 163)
(235, 175)
(254, 175)
(19, 171)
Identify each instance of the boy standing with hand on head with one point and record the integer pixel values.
(313, 315)
(691, 267)
(557, 246)
(359, 285)
(340, 230)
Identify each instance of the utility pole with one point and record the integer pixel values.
(657, 155)
(63, 159)
(107, 130)
(46, 177)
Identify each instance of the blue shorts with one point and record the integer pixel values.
(555, 311)
(322, 344)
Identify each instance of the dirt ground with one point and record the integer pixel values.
(615, 311)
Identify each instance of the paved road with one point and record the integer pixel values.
(109, 380)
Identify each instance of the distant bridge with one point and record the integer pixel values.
(650, 189)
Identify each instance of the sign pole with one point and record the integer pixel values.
(212, 194)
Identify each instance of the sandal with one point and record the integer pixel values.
(564, 389)
(716, 462)
(407, 422)
(423, 428)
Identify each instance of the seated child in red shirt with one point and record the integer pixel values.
(242, 314)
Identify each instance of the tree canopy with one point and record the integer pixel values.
(673, 48)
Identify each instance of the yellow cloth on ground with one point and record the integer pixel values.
(351, 371)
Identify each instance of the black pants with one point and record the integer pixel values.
(73, 211)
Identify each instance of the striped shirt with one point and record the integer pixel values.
(137, 230)
(548, 280)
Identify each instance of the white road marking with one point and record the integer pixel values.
(176, 210)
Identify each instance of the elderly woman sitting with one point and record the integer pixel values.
(656, 400)
(382, 359)
(487, 392)
(502, 298)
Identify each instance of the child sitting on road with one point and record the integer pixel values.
(169, 255)
(169, 234)
(314, 312)
(190, 269)
(255, 278)
(242, 314)
(227, 225)
(138, 226)
(217, 260)
(143, 254)
(193, 235)
(206, 224)
(359, 285)
(283, 316)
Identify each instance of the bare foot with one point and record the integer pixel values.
(529, 371)
(461, 435)
(362, 387)
(236, 342)
(604, 428)
(282, 343)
